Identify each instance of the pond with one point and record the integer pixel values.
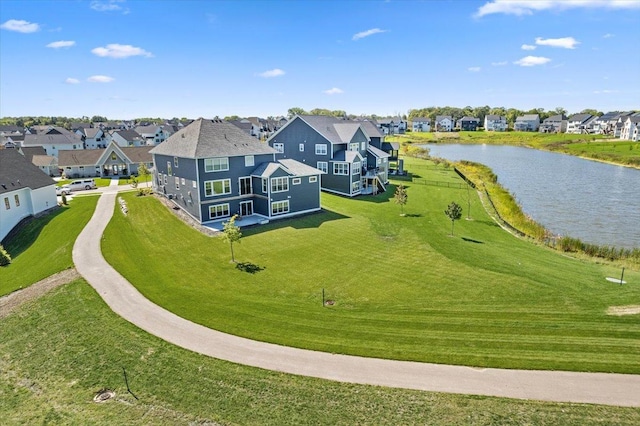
(596, 202)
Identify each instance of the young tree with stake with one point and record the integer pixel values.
(231, 233)
(400, 197)
(453, 212)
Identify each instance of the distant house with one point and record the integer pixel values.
(469, 124)
(376, 140)
(92, 137)
(126, 138)
(631, 129)
(554, 124)
(443, 123)
(603, 125)
(212, 170)
(392, 126)
(527, 123)
(421, 124)
(578, 123)
(152, 134)
(341, 149)
(495, 123)
(53, 139)
(110, 161)
(24, 190)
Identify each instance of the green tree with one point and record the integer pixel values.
(144, 172)
(400, 197)
(5, 258)
(231, 234)
(292, 112)
(453, 212)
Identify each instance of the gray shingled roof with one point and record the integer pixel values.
(421, 119)
(297, 168)
(129, 135)
(370, 129)
(557, 117)
(211, 138)
(377, 152)
(89, 157)
(17, 172)
(44, 139)
(495, 117)
(44, 160)
(528, 117)
(91, 132)
(30, 151)
(580, 117)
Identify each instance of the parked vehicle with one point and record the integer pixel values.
(78, 185)
(63, 190)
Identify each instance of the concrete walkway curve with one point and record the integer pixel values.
(126, 301)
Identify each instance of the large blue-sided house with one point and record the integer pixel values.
(341, 149)
(213, 170)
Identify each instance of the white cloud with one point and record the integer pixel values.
(499, 64)
(530, 61)
(367, 33)
(60, 44)
(474, 69)
(108, 6)
(529, 7)
(100, 79)
(20, 26)
(528, 47)
(276, 72)
(71, 80)
(564, 42)
(120, 51)
(608, 35)
(333, 91)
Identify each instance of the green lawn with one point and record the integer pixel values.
(61, 349)
(403, 288)
(44, 246)
(100, 182)
(589, 146)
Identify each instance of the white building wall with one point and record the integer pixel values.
(43, 199)
(12, 216)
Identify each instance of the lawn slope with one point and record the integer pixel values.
(403, 287)
(61, 349)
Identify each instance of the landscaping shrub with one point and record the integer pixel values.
(5, 258)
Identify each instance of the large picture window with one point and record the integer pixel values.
(216, 164)
(219, 210)
(340, 168)
(280, 207)
(217, 187)
(279, 184)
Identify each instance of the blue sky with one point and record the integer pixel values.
(127, 59)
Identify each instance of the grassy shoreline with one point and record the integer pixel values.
(589, 147)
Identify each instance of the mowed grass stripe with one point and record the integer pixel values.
(403, 287)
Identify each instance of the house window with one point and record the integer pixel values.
(296, 181)
(159, 179)
(17, 199)
(280, 207)
(363, 146)
(245, 185)
(217, 187)
(313, 179)
(355, 187)
(265, 185)
(219, 210)
(301, 147)
(169, 171)
(355, 168)
(323, 166)
(182, 181)
(7, 206)
(165, 179)
(175, 162)
(279, 147)
(340, 168)
(113, 156)
(216, 164)
(193, 183)
(354, 146)
(321, 149)
(177, 182)
(249, 161)
(279, 184)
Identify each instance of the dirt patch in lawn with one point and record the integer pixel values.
(624, 310)
(13, 300)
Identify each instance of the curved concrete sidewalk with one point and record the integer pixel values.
(126, 301)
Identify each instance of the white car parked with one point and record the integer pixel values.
(78, 185)
(63, 190)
